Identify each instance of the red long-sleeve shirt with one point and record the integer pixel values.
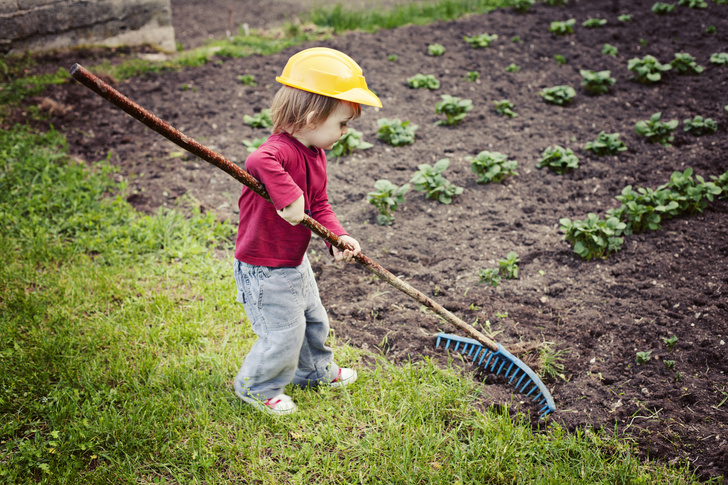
(287, 169)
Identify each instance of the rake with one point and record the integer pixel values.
(483, 350)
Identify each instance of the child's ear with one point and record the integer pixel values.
(310, 119)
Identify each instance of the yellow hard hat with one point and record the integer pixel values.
(328, 72)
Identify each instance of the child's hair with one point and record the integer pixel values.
(291, 107)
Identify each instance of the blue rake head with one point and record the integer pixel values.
(526, 381)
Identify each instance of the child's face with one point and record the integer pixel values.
(327, 133)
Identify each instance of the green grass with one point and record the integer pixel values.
(120, 336)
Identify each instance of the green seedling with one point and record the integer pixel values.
(522, 6)
(492, 166)
(472, 76)
(550, 362)
(609, 50)
(516, 39)
(513, 67)
(691, 194)
(710, 30)
(699, 126)
(395, 132)
(480, 41)
(558, 95)
(657, 131)
(648, 69)
(505, 108)
(693, 3)
(643, 357)
(606, 144)
(260, 120)
(392, 57)
(490, 276)
(560, 60)
(594, 23)
(429, 179)
(247, 79)
(625, 18)
(558, 159)
(254, 144)
(555, 3)
(423, 81)
(509, 266)
(721, 182)
(593, 237)
(597, 82)
(436, 49)
(684, 64)
(720, 58)
(349, 143)
(565, 27)
(661, 8)
(670, 364)
(386, 198)
(644, 208)
(454, 108)
(670, 342)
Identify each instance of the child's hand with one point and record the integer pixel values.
(293, 212)
(347, 255)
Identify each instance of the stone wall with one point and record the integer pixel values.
(52, 24)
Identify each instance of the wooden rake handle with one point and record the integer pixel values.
(80, 74)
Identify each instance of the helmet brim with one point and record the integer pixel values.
(354, 95)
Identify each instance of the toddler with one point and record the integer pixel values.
(322, 91)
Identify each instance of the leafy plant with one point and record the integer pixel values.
(254, 144)
(392, 57)
(625, 18)
(490, 276)
(661, 8)
(558, 159)
(593, 237)
(560, 60)
(609, 50)
(594, 23)
(395, 132)
(516, 39)
(657, 131)
(522, 6)
(670, 364)
(349, 143)
(555, 3)
(710, 29)
(643, 209)
(722, 183)
(643, 357)
(513, 67)
(247, 79)
(472, 76)
(558, 95)
(597, 82)
(699, 126)
(558, 27)
(550, 362)
(480, 41)
(606, 144)
(691, 194)
(505, 107)
(436, 49)
(684, 63)
(720, 58)
(429, 179)
(492, 166)
(693, 3)
(386, 198)
(670, 342)
(423, 81)
(509, 266)
(454, 108)
(648, 69)
(260, 120)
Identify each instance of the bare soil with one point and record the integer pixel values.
(600, 313)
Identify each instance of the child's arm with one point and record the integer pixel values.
(293, 212)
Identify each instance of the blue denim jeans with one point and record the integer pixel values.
(285, 310)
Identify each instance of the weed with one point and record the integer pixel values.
(550, 362)
(565, 27)
(609, 50)
(392, 57)
(454, 108)
(710, 30)
(560, 60)
(513, 67)
(606, 144)
(423, 81)
(661, 8)
(558, 159)
(522, 6)
(625, 18)
(254, 144)
(684, 64)
(386, 198)
(472, 76)
(429, 179)
(435, 50)
(260, 120)
(395, 132)
(247, 80)
(670, 342)
(670, 364)
(597, 82)
(648, 69)
(643, 357)
(349, 143)
(509, 266)
(505, 108)
(480, 41)
(657, 131)
(490, 276)
(699, 126)
(492, 166)
(558, 95)
(594, 23)
(593, 237)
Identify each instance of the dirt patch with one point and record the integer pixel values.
(600, 313)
